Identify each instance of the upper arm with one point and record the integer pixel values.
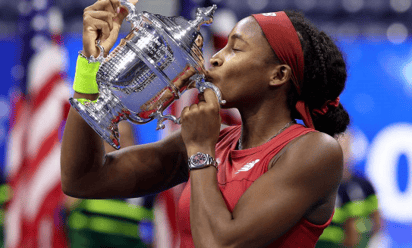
(138, 170)
(307, 173)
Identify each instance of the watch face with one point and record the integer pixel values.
(199, 159)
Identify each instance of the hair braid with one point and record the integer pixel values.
(317, 44)
(324, 76)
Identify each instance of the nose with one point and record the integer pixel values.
(216, 60)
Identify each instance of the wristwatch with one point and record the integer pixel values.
(201, 160)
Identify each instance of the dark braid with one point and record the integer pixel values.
(315, 41)
(324, 77)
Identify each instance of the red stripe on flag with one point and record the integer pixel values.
(37, 233)
(45, 148)
(41, 229)
(17, 105)
(49, 211)
(47, 88)
(18, 118)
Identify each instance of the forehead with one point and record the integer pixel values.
(249, 30)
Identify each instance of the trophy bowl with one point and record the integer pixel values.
(150, 68)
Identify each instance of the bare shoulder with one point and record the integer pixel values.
(316, 148)
(318, 143)
(314, 160)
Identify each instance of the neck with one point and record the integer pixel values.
(260, 124)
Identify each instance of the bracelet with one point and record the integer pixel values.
(85, 77)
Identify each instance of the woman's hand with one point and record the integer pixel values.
(102, 20)
(201, 124)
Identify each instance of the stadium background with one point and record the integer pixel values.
(375, 36)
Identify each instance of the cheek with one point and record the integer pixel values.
(244, 70)
(239, 68)
(229, 56)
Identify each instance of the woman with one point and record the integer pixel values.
(274, 183)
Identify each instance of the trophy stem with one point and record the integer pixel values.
(103, 115)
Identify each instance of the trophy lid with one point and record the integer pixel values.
(185, 32)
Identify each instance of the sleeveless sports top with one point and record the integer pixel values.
(237, 171)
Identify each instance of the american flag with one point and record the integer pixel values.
(33, 216)
(167, 235)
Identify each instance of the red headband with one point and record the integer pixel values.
(284, 40)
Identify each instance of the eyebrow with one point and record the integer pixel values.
(239, 37)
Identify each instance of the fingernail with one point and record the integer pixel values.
(118, 10)
(123, 11)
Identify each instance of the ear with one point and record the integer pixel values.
(281, 74)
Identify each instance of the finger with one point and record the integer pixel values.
(211, 98)
(101, 5)
(204, 106)
(199, 41)
(201, 97)
(193, 107)
(108, 43)
(184, 112)
(102, 15)
(122, 11)
(121, 15)
(114, 5)
(96, 25)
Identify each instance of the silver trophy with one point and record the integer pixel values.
(149, 69)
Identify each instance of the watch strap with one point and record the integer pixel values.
(206, 161)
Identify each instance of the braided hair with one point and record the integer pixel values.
(324, 77)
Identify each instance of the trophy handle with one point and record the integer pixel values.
(204, 16)
(132, 16)
(161, 118)
(201, 86)
(99, 58)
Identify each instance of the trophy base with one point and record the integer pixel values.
(106, 128)
(104, 115)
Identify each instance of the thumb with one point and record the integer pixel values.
(210, 97)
